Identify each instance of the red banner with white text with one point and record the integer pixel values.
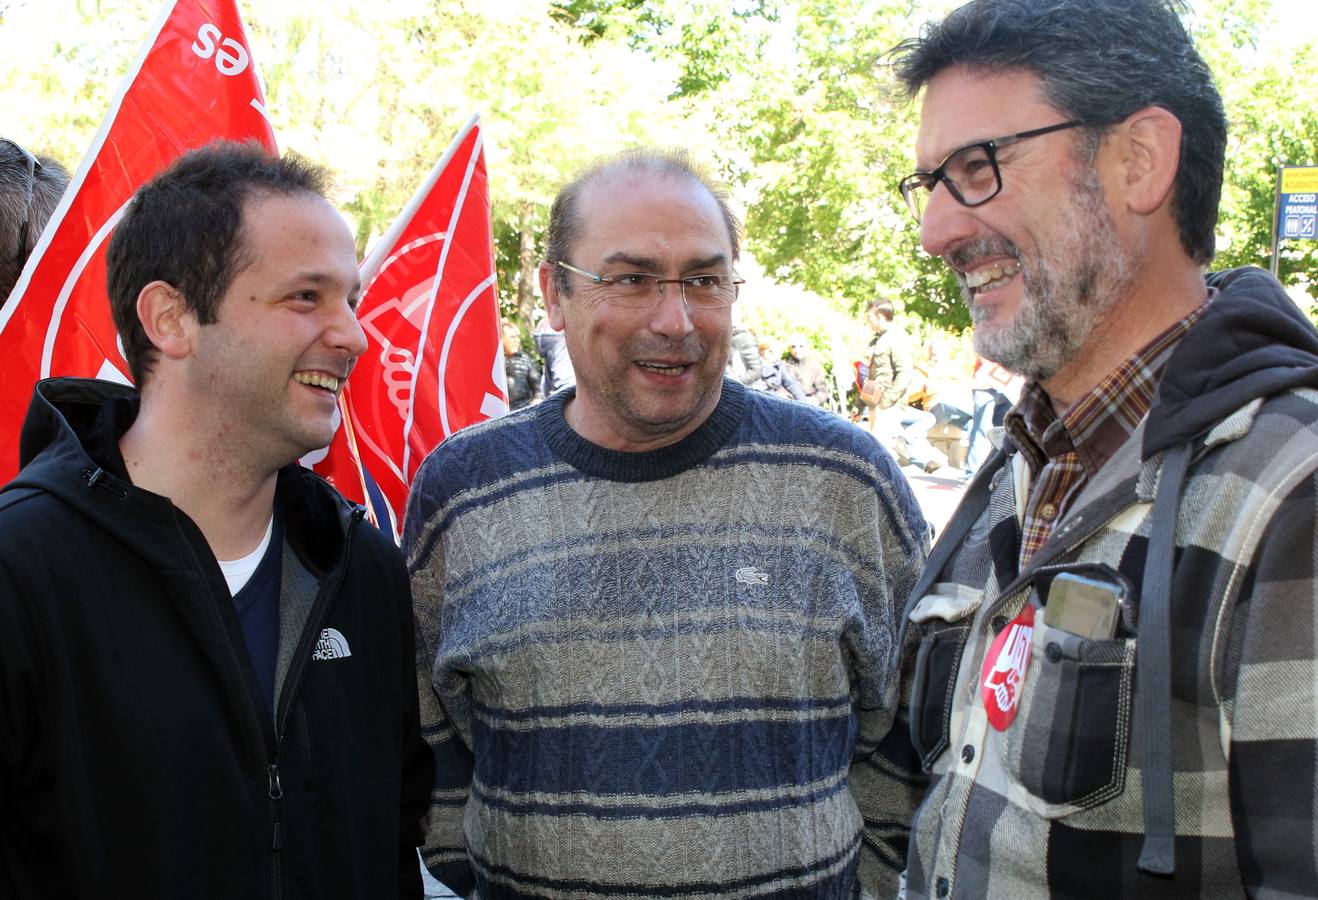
(431, 315)
(193, 83)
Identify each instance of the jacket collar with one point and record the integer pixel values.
(69, 448)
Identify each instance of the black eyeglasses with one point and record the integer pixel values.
(33, 167)
(640, 290)
(971, 173)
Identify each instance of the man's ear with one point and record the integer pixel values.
(1150, 145)
(168, 322)
(549, 290)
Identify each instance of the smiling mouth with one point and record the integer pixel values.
(663, 369)
(318, 380)
(991, 277)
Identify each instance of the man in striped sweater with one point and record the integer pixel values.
(657, 613)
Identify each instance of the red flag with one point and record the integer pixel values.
(194, 82)
(431, 315)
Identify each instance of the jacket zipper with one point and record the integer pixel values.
(273, 790)
(293, 684)
(97, 479)
(276, 792)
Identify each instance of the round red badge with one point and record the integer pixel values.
(1003, 676)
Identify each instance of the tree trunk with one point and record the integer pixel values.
(526, 282)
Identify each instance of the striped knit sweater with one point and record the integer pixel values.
(650, 674)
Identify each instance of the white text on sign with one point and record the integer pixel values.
(230, 56)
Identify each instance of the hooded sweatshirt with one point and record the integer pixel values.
(1203, 525)
(138, 757)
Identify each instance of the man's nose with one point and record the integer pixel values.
(945, 222)
(670, 314)
(346, 332)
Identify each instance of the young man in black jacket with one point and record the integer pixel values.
(206, 679)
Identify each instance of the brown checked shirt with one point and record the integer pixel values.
(1064, 453)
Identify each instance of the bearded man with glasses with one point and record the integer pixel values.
(657, 612)
(30, 189)
(1114, 648)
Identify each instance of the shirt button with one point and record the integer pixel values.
(967, 754)
(941, 887)
(1048, 511)
(998, 623)
(1052, 651)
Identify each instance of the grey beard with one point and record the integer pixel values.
(1066, 294)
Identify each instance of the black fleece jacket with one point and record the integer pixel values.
(137, 758)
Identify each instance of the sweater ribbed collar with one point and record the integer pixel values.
(647, 465)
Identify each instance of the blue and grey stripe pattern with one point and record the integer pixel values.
(651, 674)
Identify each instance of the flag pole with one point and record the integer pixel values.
(1276, 219)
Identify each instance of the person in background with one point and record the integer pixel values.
(889, 367)
(744, 363)
(1113, 648)
(657, 611)
(994, 390)
(778, 378)
(522, 373)
(30, 189)
(806, 369)
(557, 372)
(902, 428)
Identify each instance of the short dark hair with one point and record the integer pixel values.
(882, 306)
(30, 189)
(1099, 61)
(184, 227)
(565, 221)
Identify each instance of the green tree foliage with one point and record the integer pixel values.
(821, 141)
(1271, 96)
(550, 102)
(817, 139)
(62, 64)
(791, 101)
(377, 92)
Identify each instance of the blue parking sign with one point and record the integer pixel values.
(1297, 208)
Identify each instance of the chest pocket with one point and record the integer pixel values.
(943, 622)
(1069, 745)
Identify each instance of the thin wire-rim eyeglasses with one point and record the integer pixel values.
(641, 299)
(917, 187)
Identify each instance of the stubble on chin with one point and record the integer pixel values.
(653, 416)
(1066, 292)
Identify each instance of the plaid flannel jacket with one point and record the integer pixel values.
(1052, 805)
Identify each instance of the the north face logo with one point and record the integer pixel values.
(331, 645)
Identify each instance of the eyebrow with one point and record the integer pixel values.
(318, 278)
(651, 264)
(322, 279)
(955, 150)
